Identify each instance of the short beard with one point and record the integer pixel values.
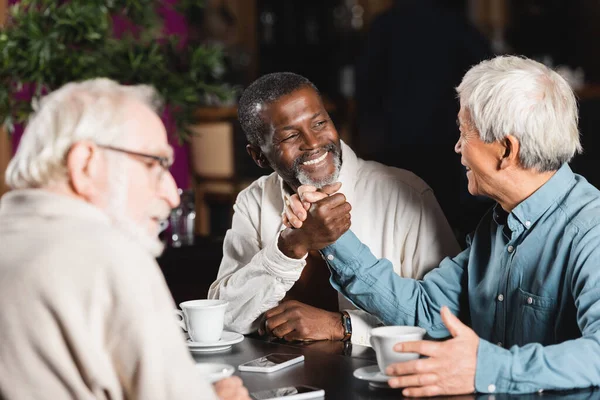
(305, 179)
(116, 211)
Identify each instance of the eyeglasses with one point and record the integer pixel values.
(164, 162)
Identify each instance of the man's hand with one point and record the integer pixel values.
(450, 368)
(292, 320)
(326, 220)
(297, 204)
(231, 388)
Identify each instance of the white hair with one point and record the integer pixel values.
(518, 96)
(88, 110)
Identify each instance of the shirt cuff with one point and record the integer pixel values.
(492, 374)
(281, 266)
(362, 323)
(344, 255)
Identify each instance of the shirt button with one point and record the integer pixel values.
(510, 249)
(500, 297)
(499, 344)
(529, 300)
(492, 388)
(528, 223)
(330, 257)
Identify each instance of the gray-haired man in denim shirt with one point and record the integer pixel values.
(529, 283)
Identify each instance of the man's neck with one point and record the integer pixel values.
(519, 186)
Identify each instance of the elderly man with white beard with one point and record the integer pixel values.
(85, 312)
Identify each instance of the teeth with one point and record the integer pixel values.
(316, 160)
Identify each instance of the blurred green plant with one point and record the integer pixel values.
(47, 43)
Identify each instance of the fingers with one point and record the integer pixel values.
(420, 366)
(278, 309)
(418, 380)
(273, 323)
(283, 329)
(332, 188)
(313, 197)
(305, 189)
(291, 216)
(423, 347)
(426, 391)
(333, 201)
(296, 206)
(285, 221)
(231, 388)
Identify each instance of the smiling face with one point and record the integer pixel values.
(301, 144)
(480, 159)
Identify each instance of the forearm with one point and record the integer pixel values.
(531, 368)
(253, 287)
(372, 285)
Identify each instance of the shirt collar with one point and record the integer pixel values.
(531, 209)
(347, 177)
(28, 202)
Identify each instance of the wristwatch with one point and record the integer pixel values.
(347, 324)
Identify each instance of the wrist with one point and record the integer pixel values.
(337, 333)
(289, 246)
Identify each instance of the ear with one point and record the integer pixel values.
(510, 147)
(83, 168)
(257, 155)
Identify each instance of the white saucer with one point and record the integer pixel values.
(214, 372)
(373, 376)
(227, 340)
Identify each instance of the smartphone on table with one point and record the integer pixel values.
(271, 362)
(297, 392)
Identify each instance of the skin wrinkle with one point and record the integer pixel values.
(300, 128)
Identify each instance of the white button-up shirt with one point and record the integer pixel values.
(393, 212)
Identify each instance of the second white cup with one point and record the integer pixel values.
(384, 338)
(203, 319)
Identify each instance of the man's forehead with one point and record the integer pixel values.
(147, 132)
(292, 109)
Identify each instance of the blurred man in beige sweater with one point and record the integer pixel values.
(84, 310)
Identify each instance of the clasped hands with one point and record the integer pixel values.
(449, 367)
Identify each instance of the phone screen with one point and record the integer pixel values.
(271, 360)
(281, 392)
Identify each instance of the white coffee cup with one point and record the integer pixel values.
(203, 319)
(384, 338)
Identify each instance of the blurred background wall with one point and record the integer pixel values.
(387, 70)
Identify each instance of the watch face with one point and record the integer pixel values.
(347, 326)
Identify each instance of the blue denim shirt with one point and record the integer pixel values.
(528, 285)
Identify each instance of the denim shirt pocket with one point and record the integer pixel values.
(535, 319)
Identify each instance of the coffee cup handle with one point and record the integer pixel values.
(181, 319)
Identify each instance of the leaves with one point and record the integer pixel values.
(48, 43)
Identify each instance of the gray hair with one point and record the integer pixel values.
(518, 96)
(88, 110)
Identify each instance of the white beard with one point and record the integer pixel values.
(116, 211)
(305, 179)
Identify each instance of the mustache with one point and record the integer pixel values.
(331, 148)
(160, 210)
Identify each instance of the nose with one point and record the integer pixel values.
(458, 145)
(168, 190)
(311, 140)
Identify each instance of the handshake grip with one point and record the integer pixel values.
(315, 217)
